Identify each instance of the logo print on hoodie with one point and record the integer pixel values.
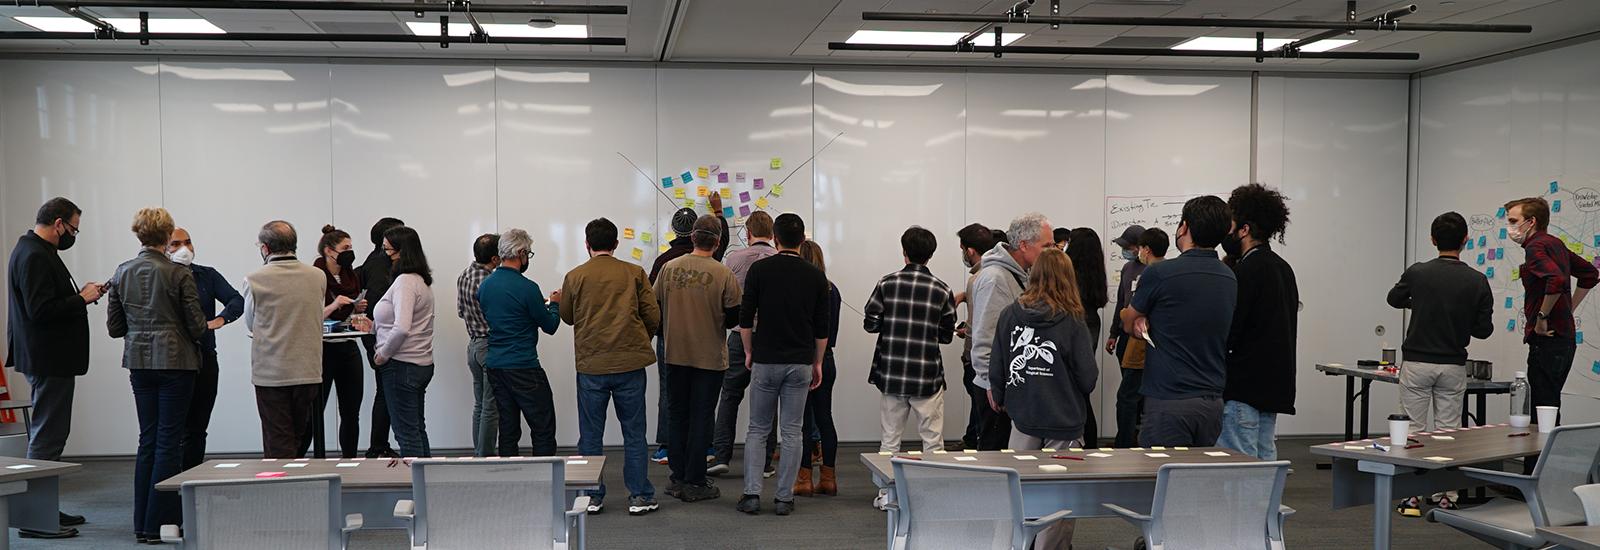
(1032, 347)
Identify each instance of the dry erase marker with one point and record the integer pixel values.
(1517, 434)
(1416, 446)
(1066, 457)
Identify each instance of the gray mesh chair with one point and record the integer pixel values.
(302, 512)
(1567, 461)
(955, 506)
(1589, 495)
(1215, 506)
(492, 503)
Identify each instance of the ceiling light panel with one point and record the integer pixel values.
(1249, 44)
(123, 24)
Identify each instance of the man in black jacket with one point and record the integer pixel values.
(1261, 341)
(375, 275)
(48, 332)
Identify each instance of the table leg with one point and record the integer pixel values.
(1483, 406)
(1366, 402)
(1349, 407)
(5, 523)
(1382, 498)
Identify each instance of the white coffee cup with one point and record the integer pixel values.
(1399, 429)
(1547, 418)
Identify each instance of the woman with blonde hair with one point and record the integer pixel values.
(154, 307)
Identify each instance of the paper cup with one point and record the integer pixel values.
(1547, 418)
(1399, 428)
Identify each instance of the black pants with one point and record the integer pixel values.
(1549, 362)
(524, 394)
(205, 398)
(976, 401)
(996, 427)
(693, 403)
(341, 372)
(818, 426)
(161, 398)
(379, 440)
(1130, 406)
(52, 416)
(285, 418)
(1194, 422)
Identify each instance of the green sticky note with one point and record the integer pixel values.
(777, 163)
(777, 190)
(645, 236)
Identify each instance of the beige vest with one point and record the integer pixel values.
(286, 323)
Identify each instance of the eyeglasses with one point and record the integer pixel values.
(70, 227)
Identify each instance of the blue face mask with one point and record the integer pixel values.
(1130, 255)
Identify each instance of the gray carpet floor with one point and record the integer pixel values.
(103, 490)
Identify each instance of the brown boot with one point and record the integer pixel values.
(827, 484)
(802, 484)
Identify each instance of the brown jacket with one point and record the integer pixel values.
(612, 309)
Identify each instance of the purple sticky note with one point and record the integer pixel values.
(744, 196)
(744, 210)
(761, 183)
(722, 177)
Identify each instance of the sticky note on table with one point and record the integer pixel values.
(739, 177)
(967, 458)
(21, 467)
(227, 465)
(1354, 448)
(1158, 448)
(703, 172)
(1445, 437)
(913, 453)
(726, 193)
(347, 464)
(777, 190)
(744, 196)
(760, 183)
(884, 453)
(970, 451)
(1158, 455)
(272, 474)
(762, 203)
(744, 210)
(295, 465)
(638, 253)
(1008, 450)
(1099, 455)
(1107, 449)
(1216, 453)
(941, 452)
(1047, 450)
(1136, 449)
(686, 177)
(727, 211)
(702, 191)
(1026, 457)
(666, 181)
(1438, 459)
(1180, 448)
(1052, 467)
(627, 232)
(777, 163)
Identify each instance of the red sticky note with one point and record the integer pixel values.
(272, 474)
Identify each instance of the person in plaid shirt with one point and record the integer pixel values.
(1549, 328)
(485, 418)
(912, 312)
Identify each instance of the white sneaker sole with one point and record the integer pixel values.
(642, 510)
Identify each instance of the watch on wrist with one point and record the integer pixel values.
(1543, 316)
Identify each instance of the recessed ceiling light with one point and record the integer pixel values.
(926, 38)
(503, 30)
(123, 24)
(1249, 44)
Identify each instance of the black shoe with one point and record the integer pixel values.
(749, 504)
(696, 493)
(782, 507)
(674, 489)
(64, 533)
(69, 520)
(639, 505)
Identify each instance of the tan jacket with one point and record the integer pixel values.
(283, 312)
(612, 309)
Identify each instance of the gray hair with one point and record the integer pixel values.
(278, 236)
(1026, 228)
(515, 243)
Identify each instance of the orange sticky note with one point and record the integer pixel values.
(702, 191)
(627, 233)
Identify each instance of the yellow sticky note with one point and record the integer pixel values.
(1576, 248)
(777, 163)
(703, 172)
(762, 203)
(665, 248)
(777, 190)
(645, 236)
(726, 193)
(1516, 273)
(677, 193)
(637, 253)
(688, 203)
(627, 233)
(702, 191)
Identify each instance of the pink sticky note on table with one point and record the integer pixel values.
(722, 177)
(744, 196)
(272, 474)
(761, 183)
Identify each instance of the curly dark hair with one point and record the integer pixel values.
(1262, 208)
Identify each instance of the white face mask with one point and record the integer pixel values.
(183, 255)
(1519, 232)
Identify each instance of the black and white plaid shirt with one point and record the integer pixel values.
(467, 306)
(912, 312)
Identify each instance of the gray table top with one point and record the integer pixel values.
(1576, 537)
(356, 473)
(1444, 448)
(1341, 369)
(20, 469)
(1103, 463)
(12, 404)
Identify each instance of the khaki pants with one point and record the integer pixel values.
(1431, 394)
(930, 420)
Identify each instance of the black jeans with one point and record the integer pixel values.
(1130, 406)
(734, 383)
(52, 415)
(995, 432)
(1193, 422)
(524, 394)
(976, 401)
(694, 404)
(1549, 362)
(818, 425)
(664, 421)
(162, 400)
(379, 440)
(341, 372)
(205, 398)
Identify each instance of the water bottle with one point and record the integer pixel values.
(1521, 406)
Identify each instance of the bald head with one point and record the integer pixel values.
(180, 239)
(278, 237)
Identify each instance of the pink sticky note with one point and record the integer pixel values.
(272, 474)
(739, 177)
(761, 183)
(722, 177)
(744, 196)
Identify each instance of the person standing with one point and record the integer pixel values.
(341, 360)
(1549, 328)
(48, 333)
(912, 312)
(516, 311)
(613, 313)
(1128, 402)
(699, 299)
(403, 322)
(1083, 247)
(682, 225)
(1151, 250)
(485, 259)
(376, 278)
(1451, 303)
(1261, 340)
(975, 239)
(999, 282)
(283, 312)
(212, 288)
(758, 229)
(785, 356)
(1185, 305)
(821, 437)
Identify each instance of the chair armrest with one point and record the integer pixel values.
(405, 509)
(1284, 511)
(1138, 519)
(353, 522)
(1047, 520)
(170, 534)
(1524, 483)
(580, 506)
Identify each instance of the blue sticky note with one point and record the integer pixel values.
(1554, 186)
(1596, 367)
(1511, 325)
(1579, 335)
(1502, 233)
(1500, 253)
(1469, 244)
(1597, 241)
(1555, 206)
(1501, 213)
(727, 211)
(1489, 272)
(687, 177)
(1510, 303)
(667, 182)
(1480, 259)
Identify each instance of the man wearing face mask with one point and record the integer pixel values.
(48, 332)
(1549, 328)
(283, 312)
(516, 312)
(213, 289)
(1261, 342)
(1128, 401)
(975, 239)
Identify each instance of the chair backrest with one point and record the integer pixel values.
(489, 503)
(1216, 506)
(1568, 461)
(956, 506)
(1589, 495)
(301, 512)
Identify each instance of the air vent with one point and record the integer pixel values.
(1160, 42)
(359, 27)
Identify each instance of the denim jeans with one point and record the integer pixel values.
(694, 401)
(626, 389)
(406, 385)
(524, 394)
(776, 389)
(1249, 431)
(485, 417)
(734, 382)
(162, 400)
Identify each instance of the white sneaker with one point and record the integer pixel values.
(717, 469)
(881, 502)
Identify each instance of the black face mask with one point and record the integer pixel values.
(522, 268)
(346, 259)
(1231, 245)
(66, 240)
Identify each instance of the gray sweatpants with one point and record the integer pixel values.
(1426, 387)
(780, 389)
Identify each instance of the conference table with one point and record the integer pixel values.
(1093, 477)
(1364, 474)
(30, 495)
(369, 487)
(1576, 537)
(1477, 395)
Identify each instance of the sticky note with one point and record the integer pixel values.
(666, 181)
(1516, 273)
(578, 462)
(1501, 213)
(1008, 450)
(1597, 241)
(1510, 303)
(302, 460)
(269, 460)
(975, 451)
(1469, 244)
(1480, 256)
(884, 453)
(967, 458)
(646, 236)
(1180, 448)
(272, 474)
(638, 253)
(727, 211)
(227, 465)
(760, 183)
(1490, 253)
(1555, 206)
(726, 193)
(1579, 336)
(702, 191)
(744, 196)
(722, 177)
(1438, 459)
(1596, 368)
(1047, 450)
(295, 465)
(686, 177)
(1554, 186)
(777, 163)
(21, 467)
(1026, 457)
(1444, 437)
(1052, 467)
(703, 172)
(777, 190)
(744, 210)
(1136, 449)
(677, 193)
(1483, 240)
(1158, 455)
(688, 203)
(739, 177)
(913, 453)
(1158, 448)
(716, 168)
(762, 203)
(1099, 455)
(665, 248)
(1576, 248)
(1354, 448)
(1216, 453)
(1074, 449)
(1489, 272)
(1511, 325)
(1107, 449)
(627, 232)
(941, 452)
(347, 464)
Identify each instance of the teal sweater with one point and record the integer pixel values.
(516, 311)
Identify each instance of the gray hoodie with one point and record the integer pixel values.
(997, 285)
